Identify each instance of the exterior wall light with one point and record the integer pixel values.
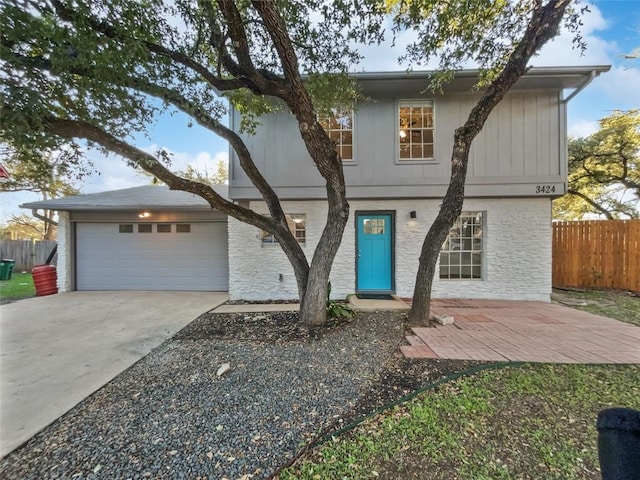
(413, 214)
(144, 215)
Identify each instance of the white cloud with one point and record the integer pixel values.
(583, 128)
(561, 51)
(622, 86)
(113, 173)
(201, 161)
(558, 52)
(384, 57)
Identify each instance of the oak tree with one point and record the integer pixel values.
(50, 174)
(501, 38)
(604, 171)
(100, 71)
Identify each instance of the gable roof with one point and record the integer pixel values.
(145, 197)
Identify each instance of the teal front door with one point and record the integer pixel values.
(374, 263)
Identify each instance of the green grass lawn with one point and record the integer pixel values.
(20, 286)
(623, 306)
(531, 422)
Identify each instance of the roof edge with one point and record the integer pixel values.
(531, 72)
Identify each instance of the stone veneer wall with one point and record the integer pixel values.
(65, 252)
(517, 251)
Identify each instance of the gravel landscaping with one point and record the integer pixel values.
(171, 416)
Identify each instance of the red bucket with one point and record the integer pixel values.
(45, 279)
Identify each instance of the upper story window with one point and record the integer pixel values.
(297, 224)
(461, 253)
(415, 130)
(339, 126)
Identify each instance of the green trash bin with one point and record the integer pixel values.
(6, 267)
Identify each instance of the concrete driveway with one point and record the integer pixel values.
(57, 350)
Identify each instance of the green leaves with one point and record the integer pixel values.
(604, 171)
(460, 32)
(85, 60)
(50, 173)
(463, 33)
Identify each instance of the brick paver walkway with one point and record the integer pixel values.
(524, 331)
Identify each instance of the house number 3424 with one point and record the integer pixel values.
(545, 189)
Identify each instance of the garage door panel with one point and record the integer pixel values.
(109, 260)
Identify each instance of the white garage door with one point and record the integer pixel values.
(152, 256)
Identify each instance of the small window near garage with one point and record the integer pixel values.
(125, 228)
(164, 228)
(144, 228)
(461, 254)
(183, 228)
(297, 224)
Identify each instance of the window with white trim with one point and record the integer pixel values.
(415, 130)
(462, 252)
(297, 224)
(339, 126)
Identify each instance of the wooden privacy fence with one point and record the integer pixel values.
(27, 253)
(597, 254)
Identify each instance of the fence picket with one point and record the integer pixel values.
(27, 253)
(597, 254)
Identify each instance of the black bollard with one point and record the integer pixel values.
(619, 443)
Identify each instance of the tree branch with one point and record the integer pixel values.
(111, 32)
(236, 142)
(80, 129)
(197, 113)
(256, 80)
(280, 229)
(595, 205)
(543, 26)
(278, 32)
(238, 35)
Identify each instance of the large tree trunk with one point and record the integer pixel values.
(542, 27)
(437, 234)
(322, 151)
(313, 306)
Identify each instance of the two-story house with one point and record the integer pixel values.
(396, 149)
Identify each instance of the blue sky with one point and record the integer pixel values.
(611, 29)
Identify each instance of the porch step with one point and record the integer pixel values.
(370, 305)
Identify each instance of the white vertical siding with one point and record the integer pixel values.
(516, 138)
(521, 142)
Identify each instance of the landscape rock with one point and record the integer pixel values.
(443, 319)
